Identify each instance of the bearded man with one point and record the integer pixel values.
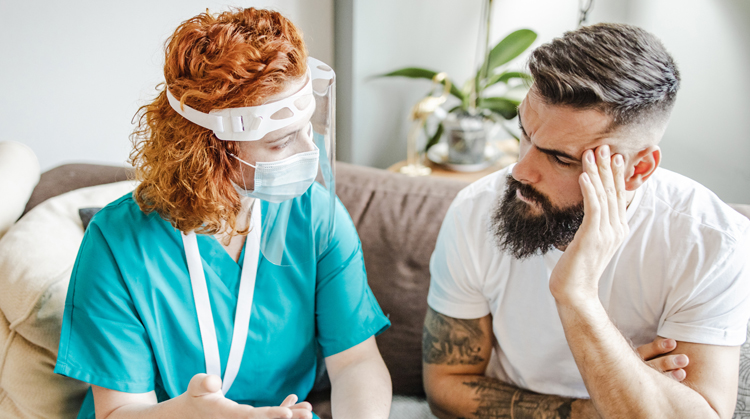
(584, 281)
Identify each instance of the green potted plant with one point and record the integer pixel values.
(469, 122)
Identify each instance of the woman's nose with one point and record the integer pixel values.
(308, 143)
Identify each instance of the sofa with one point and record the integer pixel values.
(397, 217)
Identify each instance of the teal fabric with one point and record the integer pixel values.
(130, 322)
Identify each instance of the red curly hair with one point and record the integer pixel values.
(234, 59)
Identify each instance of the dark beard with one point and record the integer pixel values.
(523, 234)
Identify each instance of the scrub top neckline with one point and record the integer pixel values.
(217, 259)
(219, 248)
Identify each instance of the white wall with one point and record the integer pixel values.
(74, 73)
(708, 138)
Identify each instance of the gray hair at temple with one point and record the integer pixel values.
(620, 70)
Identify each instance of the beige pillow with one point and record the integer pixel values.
(19, 173)
(36, 259)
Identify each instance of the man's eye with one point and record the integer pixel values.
(560, 162)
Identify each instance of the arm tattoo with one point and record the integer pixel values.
(497, 400)
(450, 341)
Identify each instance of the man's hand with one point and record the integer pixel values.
(204, 399)
(654, 353)
(604, 228)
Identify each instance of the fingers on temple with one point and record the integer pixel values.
(591, 167)
(591, 205)
(618, 170)
(604, 165)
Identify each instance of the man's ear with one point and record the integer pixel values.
(642, 166)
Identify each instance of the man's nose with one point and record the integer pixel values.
(527, 168)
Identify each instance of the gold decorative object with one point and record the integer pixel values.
(419, 114)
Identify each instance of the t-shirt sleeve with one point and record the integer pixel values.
(455, 288)
(346, 311)
(716, 311)
(103, 341)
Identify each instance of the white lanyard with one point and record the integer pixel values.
(244, 302)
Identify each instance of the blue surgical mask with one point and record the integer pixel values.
(285, 179)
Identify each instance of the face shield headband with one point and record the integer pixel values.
(253, 122)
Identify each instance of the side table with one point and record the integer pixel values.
(510, 155)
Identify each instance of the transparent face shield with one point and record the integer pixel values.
(297, 192)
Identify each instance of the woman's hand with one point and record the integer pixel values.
(204, 399)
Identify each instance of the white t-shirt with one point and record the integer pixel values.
(683, 273)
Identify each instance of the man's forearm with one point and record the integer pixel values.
(620, 384)
(480, 397)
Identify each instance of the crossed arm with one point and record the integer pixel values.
(456, 352)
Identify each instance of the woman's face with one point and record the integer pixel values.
(282, 143)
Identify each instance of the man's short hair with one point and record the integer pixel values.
(621, 70)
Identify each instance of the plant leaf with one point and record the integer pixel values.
(506, 76)
(510, 47)
(422, 73)
(505, 107)
(435, 138)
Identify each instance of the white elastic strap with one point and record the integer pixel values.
(251, 165)
(244, 301)
(202, 304)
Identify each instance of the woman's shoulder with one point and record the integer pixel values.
(124, 213)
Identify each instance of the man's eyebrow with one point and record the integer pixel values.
(548, 151)
(557, 153)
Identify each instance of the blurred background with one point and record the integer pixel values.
(74, 73)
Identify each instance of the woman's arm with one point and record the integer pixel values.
(203, 399)
(360, 382)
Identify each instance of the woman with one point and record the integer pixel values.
(209, 291)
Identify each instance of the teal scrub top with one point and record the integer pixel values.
(130, 322)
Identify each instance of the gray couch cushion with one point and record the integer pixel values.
(398, 219)
(68, 177)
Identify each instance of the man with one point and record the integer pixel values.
(548, 274)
